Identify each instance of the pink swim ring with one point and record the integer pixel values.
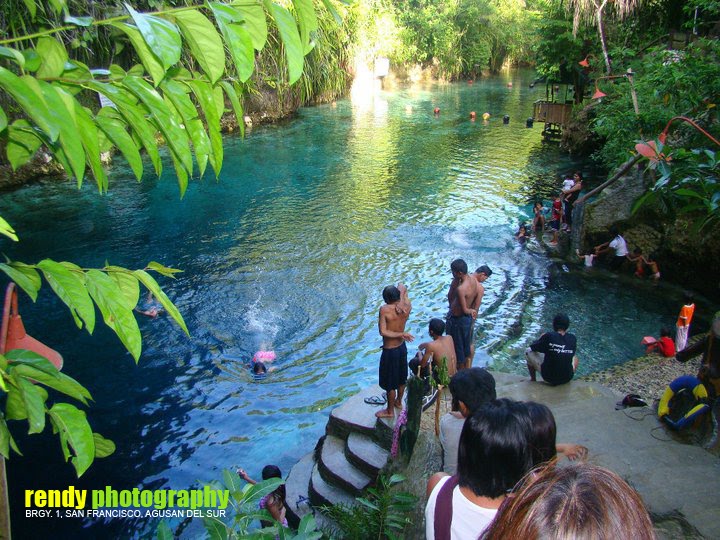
(264, 356)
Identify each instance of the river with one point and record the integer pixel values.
(291, 249)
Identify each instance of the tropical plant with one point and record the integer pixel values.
(382, 513)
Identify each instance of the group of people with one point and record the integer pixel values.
(499, 477)
(615, 254)
(456, 348)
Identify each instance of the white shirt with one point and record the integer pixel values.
(589, 259)
(450, 429)
(468, 519)
(568, 183)
(619, 245)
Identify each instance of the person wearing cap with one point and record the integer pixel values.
(554, 354)
(480, 275)
(470, 389)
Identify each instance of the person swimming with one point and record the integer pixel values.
(258, 364)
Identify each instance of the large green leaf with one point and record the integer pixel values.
(3, 119)
(89, 137)
(237, 38)
(22, 144)
(112, 124)
(169, 124)
(177, 94)
(33, 400)
(204, 42)
(31, 103)
(161, 36)
(204, 94)
(135, 117)
(62, 383)
(255, 22)
(32, 8)
(62, 105)
(151, 62)
(6, 439)
(333, 11)
(305, 11)
(13, 54)
(127, 283)
(53, 54)
(290, 38)
(74, 431)
(69, 285)
(25, 276)
(7, 230)
(149, 282)
(116, 314)
(14, 405)
(31, 358)
(236, 105)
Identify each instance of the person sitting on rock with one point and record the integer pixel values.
(433, 352)
(554, 354)
(470, 388)
(664, 346)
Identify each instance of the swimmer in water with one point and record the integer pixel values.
(258, 364)
(151, 307)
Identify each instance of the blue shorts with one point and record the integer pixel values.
(461, 330)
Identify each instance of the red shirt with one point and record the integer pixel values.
(556, 209)
(666, 347)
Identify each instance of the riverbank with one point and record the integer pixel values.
(673, 478)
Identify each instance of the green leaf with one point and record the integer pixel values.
(74, 431)
(60, 382)
(3, 119)
(255, 22)
(177, 94)
(116, 314)
(32, 60)
(7, 230)
(307, 18)
(58, 5)
(33, 359)
(14, 405)
(31, 103)
(128, 107)
(290, 38)
(150, 283)
(112, 124)
(13, 54)
(53, 54)
(89, 137)
(33, 401)
(25, 276)
(32, 8)
(204, 42)
(216, 529)
(232, 481)
(127, 283)
(204, 95)
(103, 447)
(333, 11)
(237, 38)
(62, 106)
(148, 58)
(79, 21)
(164, 532)
(161, 36)
(23, 142)
(175, 136)
(237, 107)
(69, 286)
(6, 439)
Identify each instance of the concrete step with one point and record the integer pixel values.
(365, 454)
(296, 489)
(354, 415)
(336, 469)
(321, 493)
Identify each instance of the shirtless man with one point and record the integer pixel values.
(393, 361)
(480, 275)
(434, 351)
(462, 296)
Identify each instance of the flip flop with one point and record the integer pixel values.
(375, 400)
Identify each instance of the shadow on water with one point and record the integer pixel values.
(290, 250)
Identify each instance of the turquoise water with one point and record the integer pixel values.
(291, 248)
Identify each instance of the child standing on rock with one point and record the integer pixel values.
(683, 323)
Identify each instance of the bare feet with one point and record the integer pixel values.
(384, 414)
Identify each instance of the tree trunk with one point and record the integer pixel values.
(601, 31)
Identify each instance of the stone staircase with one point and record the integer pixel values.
(346, 460)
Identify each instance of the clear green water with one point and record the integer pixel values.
(292, 247)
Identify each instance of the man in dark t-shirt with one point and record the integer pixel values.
(554, 354)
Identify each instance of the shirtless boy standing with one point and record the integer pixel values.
(393, 361)
(462, 296)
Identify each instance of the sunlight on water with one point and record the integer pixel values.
(290, 249)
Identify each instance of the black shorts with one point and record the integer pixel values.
(393, 372)
(461, 330)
